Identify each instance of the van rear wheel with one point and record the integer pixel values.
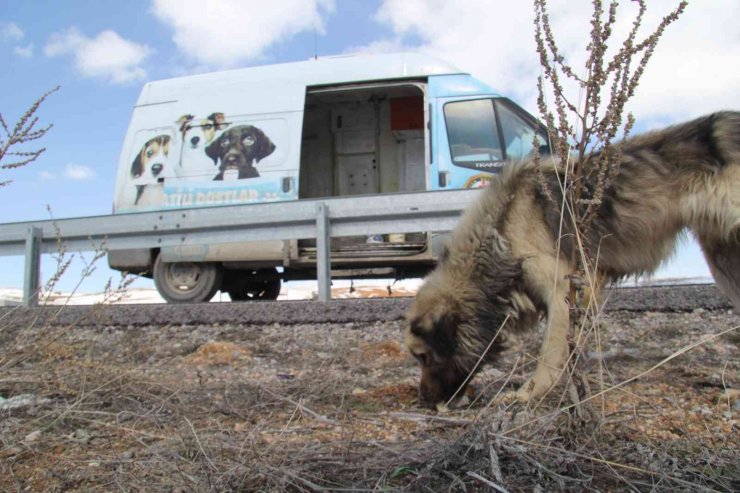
(242, 286)
(186, 282)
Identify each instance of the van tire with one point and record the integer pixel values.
(186, 282)
(241, 288)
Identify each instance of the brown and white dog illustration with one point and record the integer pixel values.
(196, 134)
(150, 168)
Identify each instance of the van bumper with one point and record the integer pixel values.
(133, 260)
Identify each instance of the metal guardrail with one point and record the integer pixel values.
(321, 219)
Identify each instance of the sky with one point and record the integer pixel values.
(101, 54)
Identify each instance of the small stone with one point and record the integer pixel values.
(33, 436)
(441, 407)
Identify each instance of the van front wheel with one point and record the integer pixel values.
(186, 282)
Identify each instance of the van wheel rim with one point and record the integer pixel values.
(183, 276)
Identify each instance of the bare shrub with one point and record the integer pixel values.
(23, 132)
(585, 132)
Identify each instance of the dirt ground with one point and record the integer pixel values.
(333, 407)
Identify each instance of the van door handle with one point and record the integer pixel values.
(287, 184)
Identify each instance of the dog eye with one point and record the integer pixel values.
(149, 152)
(225, 143)
(248, 141)
(421, 358)
(207, 126)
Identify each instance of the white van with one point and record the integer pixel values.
(370, 124)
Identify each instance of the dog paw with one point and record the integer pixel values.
(509, 397)
(536, 386)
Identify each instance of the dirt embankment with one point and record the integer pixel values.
(311, 406)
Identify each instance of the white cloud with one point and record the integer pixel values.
(107, 56)
(11, 31)
(78, 172)
(46, 175)
(24, 51)
(693, 70)
(223, 33)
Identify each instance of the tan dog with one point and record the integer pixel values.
(503, 270)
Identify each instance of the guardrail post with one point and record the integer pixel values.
(323, 247)
(33, 266)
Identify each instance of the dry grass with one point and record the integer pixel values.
(333, 408)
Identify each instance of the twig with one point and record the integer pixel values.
(665, 360)
(488, 482)
(301, 407)
(200, 445)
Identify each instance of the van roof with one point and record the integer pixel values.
(315, 72)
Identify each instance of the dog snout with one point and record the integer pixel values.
(232, 158)
(194, 141)
(157, 168)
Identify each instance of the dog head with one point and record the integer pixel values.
(433, 337)
(150, 163)
(238, 148)
(197, 134)
(461, 317)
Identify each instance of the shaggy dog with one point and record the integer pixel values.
(503, 269)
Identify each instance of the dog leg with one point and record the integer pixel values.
(723, 258)
(554, 349)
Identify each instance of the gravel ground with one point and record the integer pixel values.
(678, 298)
(323, 398)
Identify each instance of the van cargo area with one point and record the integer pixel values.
(364, 140)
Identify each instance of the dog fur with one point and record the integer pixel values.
(503, 271)
(239, 148)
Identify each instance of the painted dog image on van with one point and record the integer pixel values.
(196, 135)
(238, 149)
(503, 271)
(149, 167)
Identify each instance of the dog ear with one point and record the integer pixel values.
(265, 147)
(183, 122)
(137, 168)
(213, 150)
(218, 120)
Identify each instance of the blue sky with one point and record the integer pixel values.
(101, 53)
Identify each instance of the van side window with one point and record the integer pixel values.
(472, 133)
(519, 135)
